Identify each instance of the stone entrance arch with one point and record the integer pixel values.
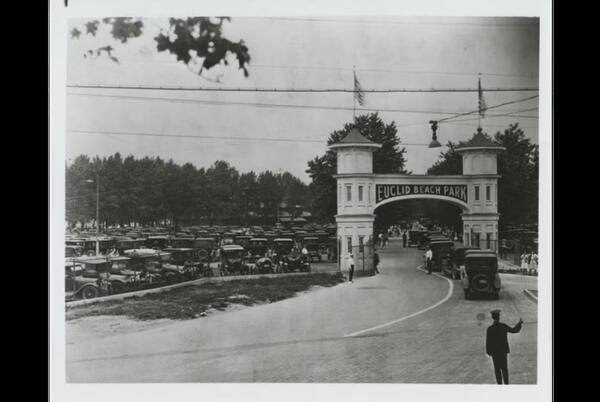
(360, 191)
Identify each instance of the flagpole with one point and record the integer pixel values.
(354, 93)
(479, 104)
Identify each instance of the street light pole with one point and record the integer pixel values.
(97, 214)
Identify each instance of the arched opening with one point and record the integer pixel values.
(433, 213)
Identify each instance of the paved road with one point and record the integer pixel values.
(306, 339)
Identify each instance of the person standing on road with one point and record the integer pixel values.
(351, 264)
(429, 260)
(496, 345)
(376, 262)
(404, 239)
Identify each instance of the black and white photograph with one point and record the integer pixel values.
(301, 199)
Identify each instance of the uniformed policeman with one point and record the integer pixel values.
(496, 345)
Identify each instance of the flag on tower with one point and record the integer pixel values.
(482, 105)
(359, 96)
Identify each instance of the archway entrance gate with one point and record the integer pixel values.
(360, 192)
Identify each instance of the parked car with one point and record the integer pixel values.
(313, 246)
(148, 265)
(295, 261)
(183, 265)
(417, 238)
(157, 242)
(480, 274)
(242, 240)
(233, 260)
(73, 251)
(457, 262)
(87, 278)
(442, 254)
(257, 246)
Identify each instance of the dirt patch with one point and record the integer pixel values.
(198, 300)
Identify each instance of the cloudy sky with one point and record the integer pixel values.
(295, 52)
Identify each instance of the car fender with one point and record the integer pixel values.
(85, 286)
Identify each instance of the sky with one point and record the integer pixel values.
(297, 52)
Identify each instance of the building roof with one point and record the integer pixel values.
(354, 137)
(481, 140)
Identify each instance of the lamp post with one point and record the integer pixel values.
(97, 211)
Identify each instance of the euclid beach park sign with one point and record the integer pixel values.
(386, 191)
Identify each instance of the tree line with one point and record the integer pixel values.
(151, 191)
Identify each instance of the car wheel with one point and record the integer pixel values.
(90, 253)
(89, 292)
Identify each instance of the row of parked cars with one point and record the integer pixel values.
(476, 269)
(134, 264)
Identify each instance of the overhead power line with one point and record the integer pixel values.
(492, 107)
(145, 134)
(269, 105)
(304, 90)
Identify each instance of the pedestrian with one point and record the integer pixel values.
(351, 264)
(404, 238)
(524, 263)
(385, 239)
(533, 264)
(380, 238)
(376, 262)
(429, 260)
(496, 345)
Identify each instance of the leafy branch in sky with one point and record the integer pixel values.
(194, 41)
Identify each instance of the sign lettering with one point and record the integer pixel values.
(456, 191)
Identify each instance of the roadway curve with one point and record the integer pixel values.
(401, 326)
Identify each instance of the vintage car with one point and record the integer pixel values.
(417, 238)
(282, 247)
(233, 260)
(442, 254)
(122, 278)
(157, 242)
(242, 240)
(257, 246)
(313, 246)
(457, 262)
(125, 244)
(295, 261)
(183, 265)
(73, 251)
(262, 265)
(87, 278)
(479, 275)
(227, 238)
(148, 265)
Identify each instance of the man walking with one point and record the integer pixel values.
(496, 345)
(404, 239)
(429, 260)
(376, 262)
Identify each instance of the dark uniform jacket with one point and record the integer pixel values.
(496, 341)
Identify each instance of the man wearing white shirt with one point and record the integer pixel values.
(351, 263)
(429, 260)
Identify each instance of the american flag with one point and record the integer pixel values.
(358, 92)
(482, 104)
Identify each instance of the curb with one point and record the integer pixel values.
(141, 293)
(530, 295)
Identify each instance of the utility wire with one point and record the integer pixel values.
(282, 105)
(304, 90)
(489, 107)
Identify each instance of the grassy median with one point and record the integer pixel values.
(191, 301)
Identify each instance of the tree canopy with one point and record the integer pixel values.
(518, 166)
(151, 190)
(195, 40)
(388, 159)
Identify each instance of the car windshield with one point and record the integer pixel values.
(481, 263)
(233, 254)
(182, 243)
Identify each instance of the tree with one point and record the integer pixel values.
(194, 41)
(518, 166)
(388, 159)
